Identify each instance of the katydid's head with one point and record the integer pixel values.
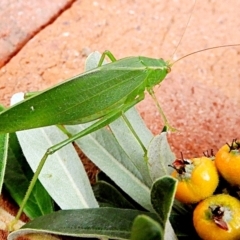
(157, 69)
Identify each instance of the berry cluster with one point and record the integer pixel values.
(212, 184)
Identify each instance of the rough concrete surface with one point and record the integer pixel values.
(200, 96)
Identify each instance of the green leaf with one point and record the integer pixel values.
(129, 143)
(4, 138)
(109, 196)
(145, 228)
(162, 197)
(17, 179)
(160, 156)
(105, 152)
(63, 174)
(181, 220)
(110, 223)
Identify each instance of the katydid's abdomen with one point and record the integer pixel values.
(88, 96)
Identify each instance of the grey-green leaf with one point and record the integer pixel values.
(110, 223)
(123, 134)
(129, 143)
(160, 156)
(63, 174)
(119, 153)
(93, 60)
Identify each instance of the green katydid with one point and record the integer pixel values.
(104, 93)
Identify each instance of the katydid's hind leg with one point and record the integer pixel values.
(166, 123)
(64, 130)
(109, 55)
(140, 97)
(135, 135)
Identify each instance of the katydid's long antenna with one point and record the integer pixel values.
(189, 18)
(205, 49)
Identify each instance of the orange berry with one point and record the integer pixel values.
(197, 179)
(228, 162)
(218, 218)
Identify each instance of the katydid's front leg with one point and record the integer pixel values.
(109, 55)
(104, 121)
(135, 135)
(166, 123)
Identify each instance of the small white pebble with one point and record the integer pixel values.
(66, 34)
(131, 12)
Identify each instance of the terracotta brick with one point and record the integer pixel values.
(21, 20)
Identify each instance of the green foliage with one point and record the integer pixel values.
(145, 228)
(17, 179)
(108, 223)
(4, 141)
